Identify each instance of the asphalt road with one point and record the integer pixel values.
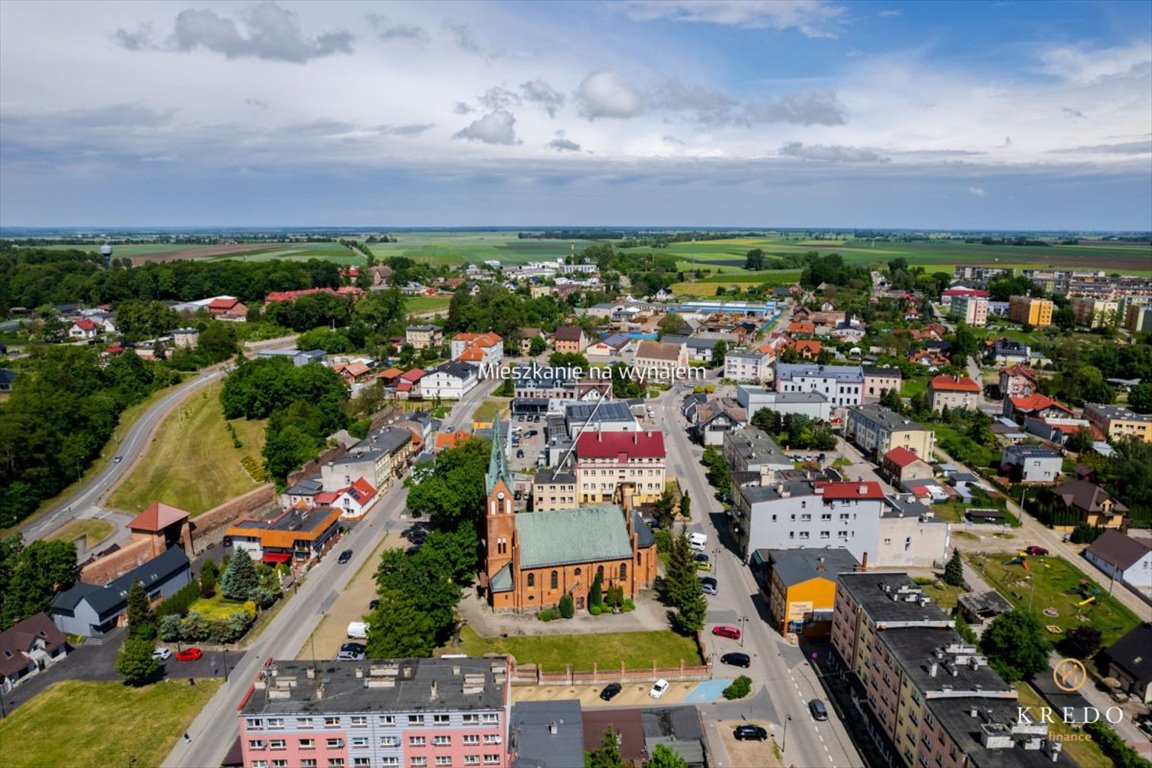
(215, 728)
(783, 681)
(85, 502)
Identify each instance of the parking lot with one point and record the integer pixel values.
(526, 445)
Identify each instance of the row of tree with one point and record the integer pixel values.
(30, 576)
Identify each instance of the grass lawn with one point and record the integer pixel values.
(913, 387)
(93, 531)
(636, 649)
(1086, 754)
(193, 464)
(489, 408)
(84, 724)
(216, 607)
(1052, 584)
(427, 303)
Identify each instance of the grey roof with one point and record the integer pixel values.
(387, 440)
(756, 447)
(609, 411)
(1031, 452)
(1111, 412)
(424, 327)
(502, 581)
(399, 685)
(306, 486)
(7, 377)
(1131, 652)
(1118, 549)
(758, 493)
(986, 605)
(1081, 494)
(885, 417)
(955, 716)
(542, 376)
(747, 354)
(692, 342)
(914, 647)
(873, 370)
(796, 566)
(534, 743)
(457, 369)
(111, 598)
(548, 476)
(644, 536)
(789, 371)
(585, 535)
(867, 589)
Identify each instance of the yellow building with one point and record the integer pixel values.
(1030, 311)
(1117, 421)
(800, 585)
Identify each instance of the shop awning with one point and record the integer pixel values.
(276, 557)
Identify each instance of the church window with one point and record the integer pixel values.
(577, 572)
(555, 580)
(600, 572)
(623, 571)
(531, 579)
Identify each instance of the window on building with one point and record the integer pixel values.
(387, 719)
(335, 743)
(303, 722)
(307, 744)
(472, 719)
(531, 579)
(415, 719)
(441, 741)
(335, 762)
(441, 719)
(623, 571)
(418, 762)
(331, 722)
(555, 580)
(389, 741)
(359, 721)
(491, 717)
(415, 741)
(471, 759)
(359, 741)
(257, 744)
(255, 724)
(275, 722)
(308, 762)
(389, 761)
(443, 760)
(492, 738)
(277, 744)
(471, 739)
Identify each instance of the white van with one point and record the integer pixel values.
(698, 541)
(358, 630)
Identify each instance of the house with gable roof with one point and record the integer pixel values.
(1085, 502)
(29, 647)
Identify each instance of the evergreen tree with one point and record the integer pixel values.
(954, 571)
(240, 580)
(608, 754)
(685, 506)
(136, 661)
(141, 621)
(596, 593)
(664, 757)
(567, 607)
(681, 570)
(208, 581)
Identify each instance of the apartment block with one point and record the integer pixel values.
(932, 698)
(1117, 421)
(877, 430)
(753, 398)
(554, 489)
(751, 365)
(877, 380)
(1095, 312)
(971, 308)
(604, 460)
(1138, 318)
(401, 713)
(424, 336)
(1030, 311)
(842, 385)
(953, 392)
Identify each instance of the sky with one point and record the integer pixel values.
(689, 113)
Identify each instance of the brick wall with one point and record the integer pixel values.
(229, 511)
(103, 570)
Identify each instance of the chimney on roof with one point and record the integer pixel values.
(863, 564)
(553, 728)
(863, 489)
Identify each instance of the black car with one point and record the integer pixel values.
(354, 647)
(345, 556)
(736, 660)
(818, 710)
(611, 691)
(750, 733)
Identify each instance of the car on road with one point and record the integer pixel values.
(345, 556)
(659, 688)
(736, 660)
(520, 453)
(118, 459)
(611, 691)
(162, 653)
(818, 710)
(702, 562)
(1035, 550)
(726, 630)
(750, 733)
(709, 585)
(533, 432)
(190, 654)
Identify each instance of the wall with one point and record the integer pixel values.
(101, 571)
(230, 511)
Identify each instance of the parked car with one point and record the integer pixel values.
(818, 710)
(351, 652)
(520, 453)
(703, 565)
(345, 556)
(1035, 550)
(190, 654)
(162, 653)
(736, 660)
(659, 688)
(750, 733)
(118, 459)
(726, 630)
(533, 432)
(709, 586)
(611, 691)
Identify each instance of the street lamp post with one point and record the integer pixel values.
(784, 741)
(743, 621)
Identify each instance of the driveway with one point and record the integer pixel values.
(94, 660)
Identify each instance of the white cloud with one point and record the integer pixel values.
(1082, 64)
(831, 154)
(814, 18)
(387, 30)
(605, 94)
(498, 98)
(538, 91)
(976, 191)
(561, 143)
(497, 127)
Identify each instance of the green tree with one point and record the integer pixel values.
(240, 580)
(136, 662)
(664, 510)
(31, 576)
(457, 551)
(141, 621)
(607, 755)
(754, 260)
(672, 324)
(719, 352)
(208, 580)
(1140, 397)
(567, 606)
(663, 756)
(1016, 645)
(954, 570)
(1081, 642)
(401, 627)
(596, 592)
(537, 346)
(890, 398)
(739, 688)
(685, 505)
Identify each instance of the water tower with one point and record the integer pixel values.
(106, 252)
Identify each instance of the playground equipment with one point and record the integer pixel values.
(1021, 558)
(1085, 602)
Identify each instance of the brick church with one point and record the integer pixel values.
(533, 558)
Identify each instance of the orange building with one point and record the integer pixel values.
(297, 534)
(533, 559)
(801, 587)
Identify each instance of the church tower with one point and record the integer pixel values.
(500, 512)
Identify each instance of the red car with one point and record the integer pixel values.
(189, 654)
(1035, 550)
(725, 630)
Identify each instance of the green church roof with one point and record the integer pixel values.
(562, 537)
(498, 458)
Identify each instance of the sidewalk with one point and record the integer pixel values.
(649, 616)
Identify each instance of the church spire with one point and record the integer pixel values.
(498, 458)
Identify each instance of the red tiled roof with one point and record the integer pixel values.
(479, 339)
(223, 303)
(390, 373)
(156, 517)
(901, 457)
(293, 295)
(325, 498)
(609, 445)
(1019, 370)
(1036, 402)
(413, 375)
(450, 439)
(808, 328)
(85, 324)
(847, 490)
(811, 346)
(954, 384)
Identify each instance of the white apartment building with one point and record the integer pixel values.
(973, 310)
(604, 460)
(748, 365)
(842, 385)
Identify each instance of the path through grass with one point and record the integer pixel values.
(193, 464)
(78, 724)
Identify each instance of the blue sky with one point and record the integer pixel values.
(1019, 115)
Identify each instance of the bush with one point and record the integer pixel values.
(1114, 747)
(567, 606)
(594, 610)
(545, 614)
(170, 628)
(663, 540)
(628, 605)
(739, 688)
(178, 604)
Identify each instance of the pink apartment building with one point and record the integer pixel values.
(400, 713)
